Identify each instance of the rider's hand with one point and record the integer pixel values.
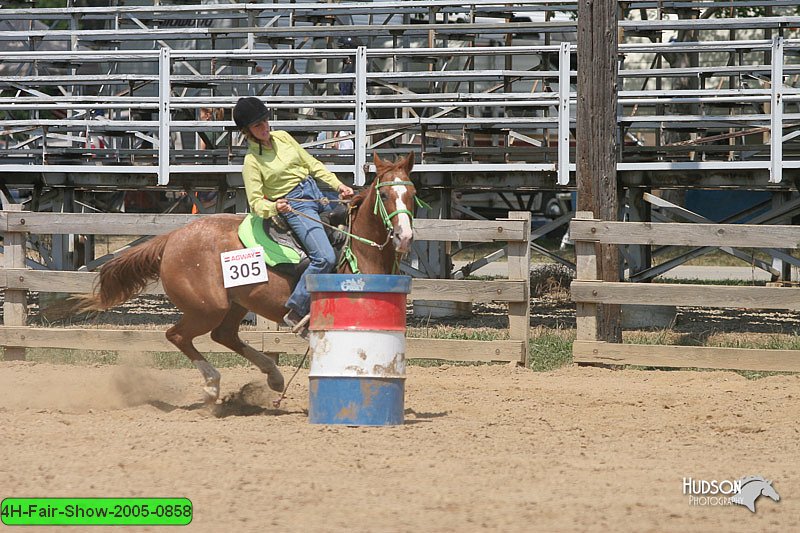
(282, 205)
(345, 191)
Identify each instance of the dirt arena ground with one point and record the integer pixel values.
(494, 448)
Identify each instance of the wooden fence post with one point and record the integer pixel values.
(586, 270)
(15, 305)
(519, 267)
(597, 137)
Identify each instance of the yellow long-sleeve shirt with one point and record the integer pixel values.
(270, 173)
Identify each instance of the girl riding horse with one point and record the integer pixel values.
(187, 261)
(279, 177)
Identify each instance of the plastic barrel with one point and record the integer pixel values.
(358, 344)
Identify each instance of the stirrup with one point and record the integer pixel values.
(302, 324)
(298, 326)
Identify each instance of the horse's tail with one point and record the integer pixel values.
(125, 276)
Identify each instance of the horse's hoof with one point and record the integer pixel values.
(275, 381)
(210, 394)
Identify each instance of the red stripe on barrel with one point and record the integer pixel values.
(342, 310)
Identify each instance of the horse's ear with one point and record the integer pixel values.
(377, 160)
(408, 164)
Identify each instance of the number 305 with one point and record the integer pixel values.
(245, 270)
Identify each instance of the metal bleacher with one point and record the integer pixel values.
(472, 88)
(98, 99)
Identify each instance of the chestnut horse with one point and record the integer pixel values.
(187, 261)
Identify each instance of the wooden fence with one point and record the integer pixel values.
(588, 292)
(17, 280)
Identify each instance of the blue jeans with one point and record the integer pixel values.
(311, 235)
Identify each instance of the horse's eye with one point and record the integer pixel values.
(384, 196)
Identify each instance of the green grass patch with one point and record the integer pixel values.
(61, 356)
(550, 349)
(442, 331)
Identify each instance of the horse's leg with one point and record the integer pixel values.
(182, 334)
(227, 334)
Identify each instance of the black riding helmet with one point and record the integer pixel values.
(248, 111)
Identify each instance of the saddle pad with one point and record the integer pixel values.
(251, 233)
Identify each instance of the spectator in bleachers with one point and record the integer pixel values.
(207, 141)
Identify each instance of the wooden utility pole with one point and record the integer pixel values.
(596, 138)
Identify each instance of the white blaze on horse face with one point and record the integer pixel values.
(403, 234)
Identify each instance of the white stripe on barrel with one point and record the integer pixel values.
(377, 354)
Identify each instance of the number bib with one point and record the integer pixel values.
(243, 267)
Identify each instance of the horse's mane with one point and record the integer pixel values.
(359, 198)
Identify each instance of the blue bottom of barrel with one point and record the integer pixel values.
(356, 401)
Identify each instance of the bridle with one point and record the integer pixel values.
(380, 210)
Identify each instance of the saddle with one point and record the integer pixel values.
(282, 251)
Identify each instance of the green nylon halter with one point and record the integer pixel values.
(380, 208)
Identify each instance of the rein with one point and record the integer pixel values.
(379, 210)
(349, 235)
(322, 201)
